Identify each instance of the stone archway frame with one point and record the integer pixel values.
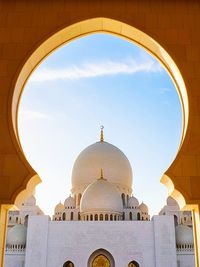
(125, 31)
(83, 28)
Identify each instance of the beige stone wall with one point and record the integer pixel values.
(168, 29)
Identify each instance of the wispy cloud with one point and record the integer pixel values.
(32, 114)
(165, 90)
(89, 70)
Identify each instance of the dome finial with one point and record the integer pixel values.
(101, 176)
(102, 136)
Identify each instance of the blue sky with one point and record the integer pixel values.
(95, 80)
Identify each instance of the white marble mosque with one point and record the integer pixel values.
(101, 224)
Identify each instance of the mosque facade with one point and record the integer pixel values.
(101, 224)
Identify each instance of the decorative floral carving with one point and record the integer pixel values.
(101, 261)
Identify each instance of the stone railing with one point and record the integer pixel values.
(185, 247)
(15, 248)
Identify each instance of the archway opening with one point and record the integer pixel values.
(68, 264)
(101, 258)
(92, 26)
(133, 264)
(161, 55)
(113, 76)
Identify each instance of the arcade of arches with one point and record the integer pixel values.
(101, 258)
(30, 31)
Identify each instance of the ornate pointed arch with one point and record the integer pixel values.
(101, 257)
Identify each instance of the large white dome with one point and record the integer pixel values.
(101, 196)
(103, 155)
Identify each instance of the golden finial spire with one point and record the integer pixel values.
(101, 176)
(102, 136)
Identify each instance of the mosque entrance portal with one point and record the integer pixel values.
(133, 264)
(101, 258)
(68, 264)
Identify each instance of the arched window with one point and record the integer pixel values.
(63, 216)
(87, 218)
(115, 217)
(68, 264)
(101, 257)
(71, 216)
(175, 220)
(16, 219)
(138, 216)
(101, 217)
(100, 260)
(123, 216)
(96, 217)
(91, 217)
(111, 217)
(106, 217)
(133, 264)
(130, 216)
(123, 200)
(26, 220)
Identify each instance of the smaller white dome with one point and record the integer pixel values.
(184, 235)
(70, 203)
(143, 207)
(31, 201)
(133, 202)
(17, 235)
(59, 207)
(171, 201)
(101, 196)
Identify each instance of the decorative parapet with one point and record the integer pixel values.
(185, 247)
(15, 249)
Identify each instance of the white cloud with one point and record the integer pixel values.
(89, 70)
(32, 115)
(165, 90)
